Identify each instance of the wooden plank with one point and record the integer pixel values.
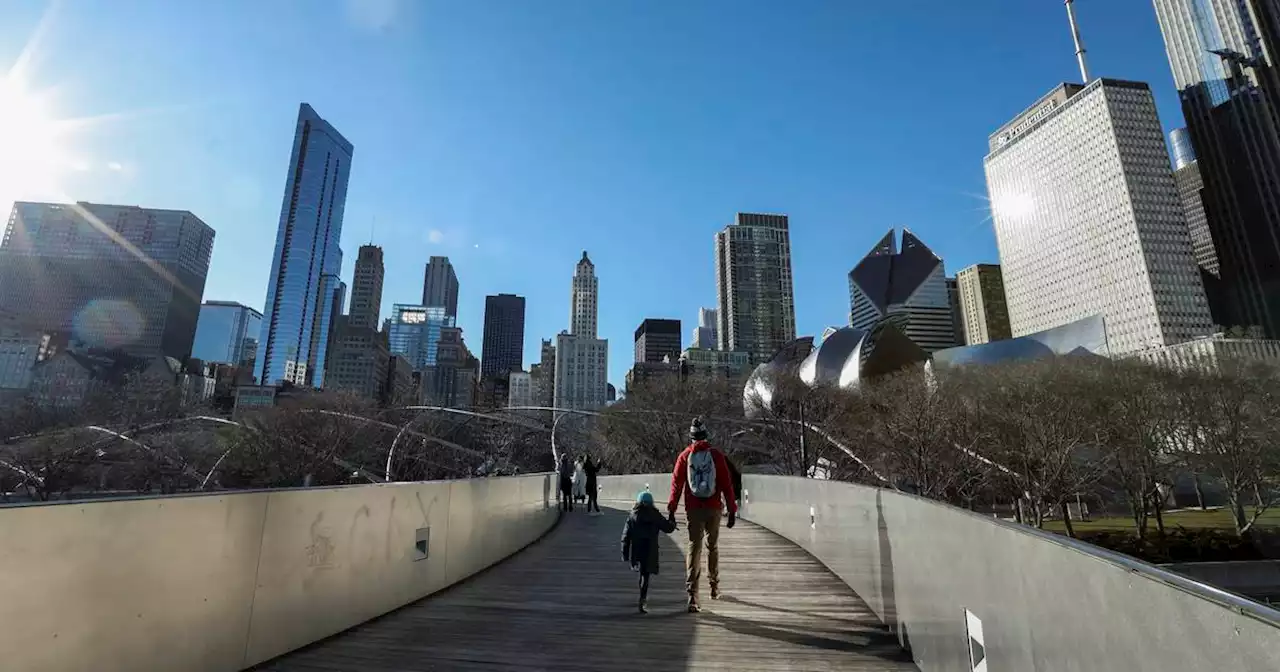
(568, 603)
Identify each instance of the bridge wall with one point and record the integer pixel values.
(1045, 602)
(225, 581)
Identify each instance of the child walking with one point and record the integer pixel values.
(640, 541)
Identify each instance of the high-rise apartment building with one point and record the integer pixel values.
(753, 281)
(1186, 173)
(440, 286)
(584, 299)
(108, 276)
(705, 334)
(1088, 220)
(1223, 57)
(985, 316)
(360, 361)
(297, 319)
(503, 348)
(911, 283)
(658, 340)
(227, 333)
(415, 332)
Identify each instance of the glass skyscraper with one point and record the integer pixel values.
(304, 279)
(227, 333)
(415, 332)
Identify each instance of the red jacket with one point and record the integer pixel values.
(680, 482)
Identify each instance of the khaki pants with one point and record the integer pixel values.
(702, 522)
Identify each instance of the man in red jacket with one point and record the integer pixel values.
(703, 480)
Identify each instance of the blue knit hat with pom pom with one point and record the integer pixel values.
(645, 498)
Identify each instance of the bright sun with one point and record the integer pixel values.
(33, 152)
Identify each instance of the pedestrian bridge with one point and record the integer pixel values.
(486, 574)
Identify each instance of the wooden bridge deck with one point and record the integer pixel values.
(569, 603)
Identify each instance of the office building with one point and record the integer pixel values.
(502, 350)
(984, 315)
(910, 283)
(440, 286)
(957, 314)
(360, 360)
(227, 333)
(1186, 174)
(581, 370)
(705, 334)
(415, 331)
(757, 310)
(1088, 220)
(519, 389)
(1223, 59)
(451, 381)
(544, 374)
(727, 363)
(298, 318)
(398, 389)
(644, 373)
(117, 277)
(584, 299)
(658, 341)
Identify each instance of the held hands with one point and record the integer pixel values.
(732, 519)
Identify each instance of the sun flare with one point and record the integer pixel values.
(34, 152)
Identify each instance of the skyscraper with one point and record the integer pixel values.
(415, 332)
(1088, 220)
(450, 382)
(753, 280)
(584, 299)
(658, 339)
(366, 288)
(440, 286)
(957, 313)
(982, 305)
(307, 260)
(705, 334)
(360, 360)
(227, 333)
(1186, 173)
(108, 276)
(503, 348)
(1223, 59)
(911, 283)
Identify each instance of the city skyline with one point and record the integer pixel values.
(242, 169)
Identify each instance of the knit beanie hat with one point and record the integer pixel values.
(696, 431)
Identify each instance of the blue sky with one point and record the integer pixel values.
(512, 135)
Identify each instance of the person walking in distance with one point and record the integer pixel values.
(702, 479)
(565, 471)
(592, 468)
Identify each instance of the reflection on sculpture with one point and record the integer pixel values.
(843, 358)
(1082, 337)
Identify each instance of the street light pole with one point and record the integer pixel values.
(804, 447)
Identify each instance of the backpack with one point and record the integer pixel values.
(702, 473)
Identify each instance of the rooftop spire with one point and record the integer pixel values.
(1075, 36)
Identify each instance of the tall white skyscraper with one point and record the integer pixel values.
(705, 335)
(581, 359)
(584, 299)
(1088, 220)
(754, 286)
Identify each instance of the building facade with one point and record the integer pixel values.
(519, 389)
(118, 277)
(984, 315)
(544, 374)
(726, 363)
(298, 318)
(1186, 174)
(451, 381)
(658, 341)
(911, 283)
(584, 299)
(582, 366)
(440, 286)
(502, 350)
(1088, 220)
(757, 311)
(705, 335)
(957, 313)
(227, 333)
(359, 360)
(415, 331)
(1210, 353)
(1222, 55)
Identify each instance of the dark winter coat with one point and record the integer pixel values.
(640, 537)
(591, 468)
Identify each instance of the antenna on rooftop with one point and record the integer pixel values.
(1075, 36)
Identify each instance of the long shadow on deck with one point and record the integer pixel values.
(569, 603)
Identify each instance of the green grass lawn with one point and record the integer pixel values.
(1191, 519)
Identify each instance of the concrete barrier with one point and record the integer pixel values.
(224, 581)
(936, 575)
